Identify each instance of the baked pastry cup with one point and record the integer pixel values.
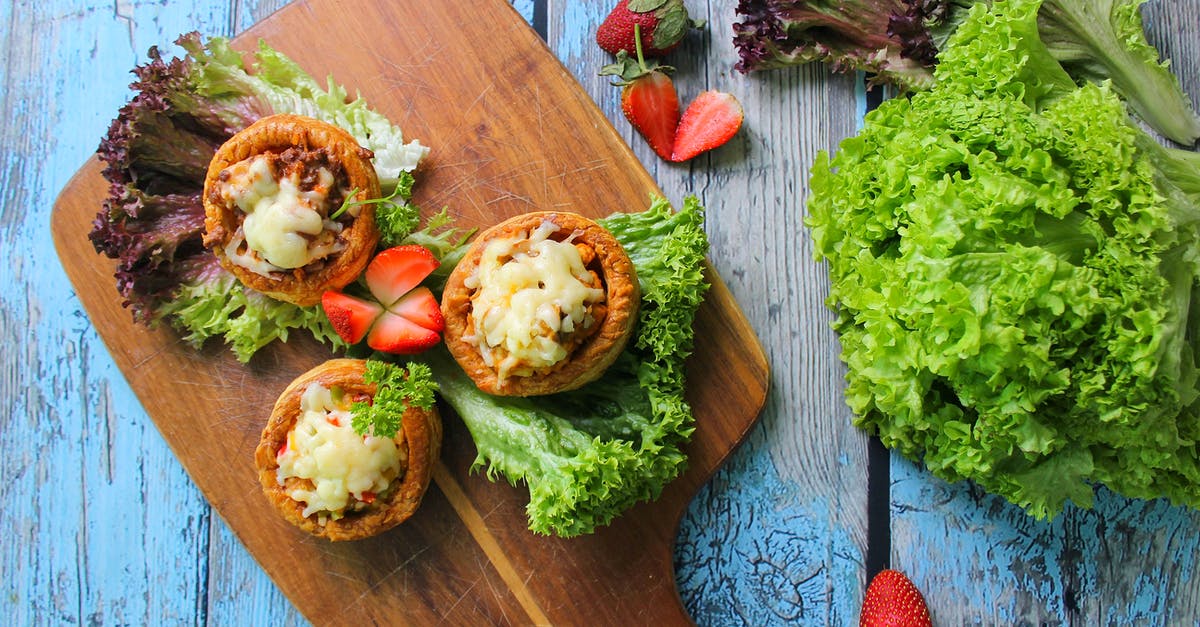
(292, 173)
(417, 445)
(501, 301)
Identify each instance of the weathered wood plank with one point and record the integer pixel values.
(779, 535)
(108, 528)
(982, 561)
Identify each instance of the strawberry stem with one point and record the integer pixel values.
(637, 45)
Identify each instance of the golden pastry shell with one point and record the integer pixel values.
(277, 133)
(589, 360)
(421, 430)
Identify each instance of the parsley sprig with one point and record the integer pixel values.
(396, 389)
(403, 191)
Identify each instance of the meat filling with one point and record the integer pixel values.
(284, 205)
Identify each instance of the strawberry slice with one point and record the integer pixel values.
(420, 306)
(394, 333)
(712, 119)
(652, 106)
(404, 317)
(351, 317)
(396, 271)
(648, 97)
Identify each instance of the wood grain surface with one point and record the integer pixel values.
(107, 528)
(513, 133)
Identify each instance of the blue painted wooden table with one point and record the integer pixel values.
(104, 527)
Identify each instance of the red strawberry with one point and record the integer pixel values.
(893, 601)
(420, 306)
(712, 119)
(663, 23)
(395, 271)
(393, 333)
(351, 317)
(648, 99)
(404, 317)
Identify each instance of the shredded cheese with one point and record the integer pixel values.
(529, 290)
(342, 467)
(284, 227)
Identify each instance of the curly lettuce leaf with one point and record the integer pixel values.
(899, 42)
(590, 454)
(215, 304)
(1013, 263)
(876, 36)
(156, 156)
(276, 84)
(1105, 40)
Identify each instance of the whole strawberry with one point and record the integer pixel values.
(893, 601)
(648, 98)
(663, 24)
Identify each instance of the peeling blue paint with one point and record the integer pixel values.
(577, 17)
(957, 542)
(750, 553)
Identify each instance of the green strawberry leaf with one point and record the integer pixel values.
(645, 6)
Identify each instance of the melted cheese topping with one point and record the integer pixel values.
(529, 290)
(284, 227)
(343, 467)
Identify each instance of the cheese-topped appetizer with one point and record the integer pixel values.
(273, 203)
(328, 479)
(541, 303)
(327, 466)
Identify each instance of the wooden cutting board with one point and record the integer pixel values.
(511, 132)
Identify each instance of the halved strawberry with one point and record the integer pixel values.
(351, 317)
(393, 333)
(395, 271)
(651, 105)
(648, 98)
(420, 306)
(712, 119)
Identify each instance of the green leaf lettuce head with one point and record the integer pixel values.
(898, 42)
(156, 156)
(590, 454)
(1013, 264)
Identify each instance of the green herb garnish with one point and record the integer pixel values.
(396, 389)
(350, 202)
